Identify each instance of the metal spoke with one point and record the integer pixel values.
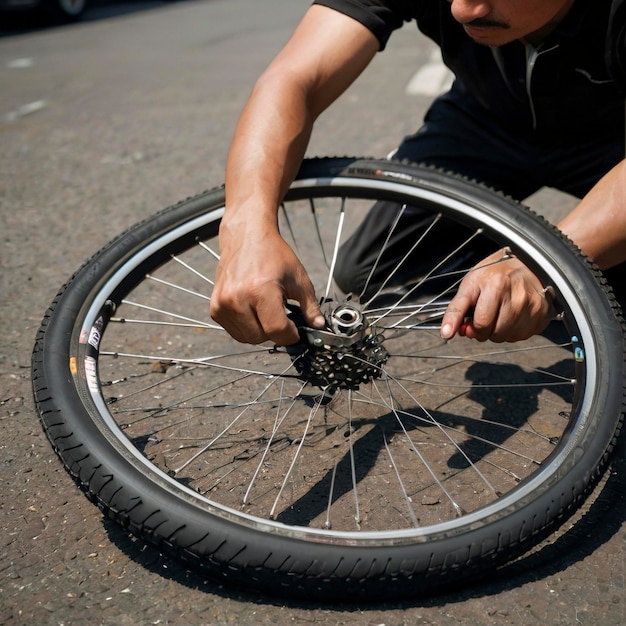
(424, 462)
(277, 423)
(318, 232)
(193, 270)
(295, 458)
(392, 230)
(407, 499)
(207, 447)
(177, 287)
(357, 515)
(146, 307)
(331, 270)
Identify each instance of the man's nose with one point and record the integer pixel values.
(464, 11)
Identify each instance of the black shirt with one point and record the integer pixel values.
(574, 82)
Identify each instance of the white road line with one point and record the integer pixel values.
(18, 64)
(431, 79)
(25, 109)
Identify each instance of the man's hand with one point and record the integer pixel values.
(253, 282)
(499, 300)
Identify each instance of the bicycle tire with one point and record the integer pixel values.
(436, 465)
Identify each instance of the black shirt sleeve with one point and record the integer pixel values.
(616, 44)
(381, 17)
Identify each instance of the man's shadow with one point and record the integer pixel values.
(503, 415)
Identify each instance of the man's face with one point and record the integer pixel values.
(497, 22)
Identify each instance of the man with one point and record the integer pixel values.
(538, 100)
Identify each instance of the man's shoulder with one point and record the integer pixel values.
(382, 17)
(394, 11)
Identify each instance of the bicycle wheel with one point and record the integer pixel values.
(373, 460)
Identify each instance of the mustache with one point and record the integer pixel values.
(481, 22)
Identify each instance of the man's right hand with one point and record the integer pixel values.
(253, 282)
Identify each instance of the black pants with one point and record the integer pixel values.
(454, 139)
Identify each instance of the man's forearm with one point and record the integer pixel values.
(269, 144)
(325, 54)
(598, 224)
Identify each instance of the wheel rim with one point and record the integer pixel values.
(423, 450)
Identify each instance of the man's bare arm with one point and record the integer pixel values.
(258, 271)
(598, 224)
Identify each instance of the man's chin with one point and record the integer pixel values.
(488, 36)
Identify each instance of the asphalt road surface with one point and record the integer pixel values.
(101, 124)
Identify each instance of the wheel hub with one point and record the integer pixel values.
(345, 355)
